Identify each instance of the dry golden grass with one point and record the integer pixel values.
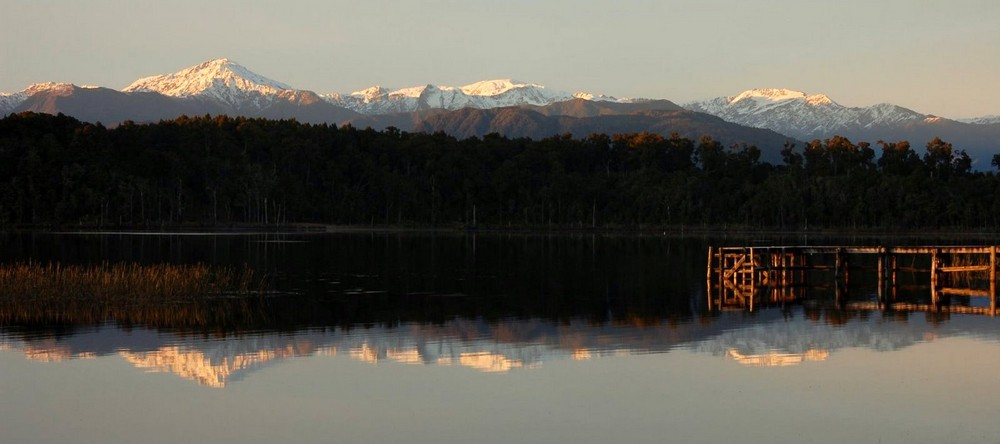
(157, 295)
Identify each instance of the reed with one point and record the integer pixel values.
(969, 279)
(161, 295)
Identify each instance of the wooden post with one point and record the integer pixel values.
(934, 278)
(721, 267)
(895, 265)
(881, 279)
(721, 276)
(993, 280)
(836, 266)
(784, 268)
(847, 271)
(753, 277)
(783, 273)
(840, 277)
(804, 263)
(708, 279)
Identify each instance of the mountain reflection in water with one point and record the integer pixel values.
(492, 338)
(768, 338)
(493, 303)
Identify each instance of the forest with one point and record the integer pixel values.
(219, 171)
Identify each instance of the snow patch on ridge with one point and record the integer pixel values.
(767, 95)
(495, 87)
(483, 95)
(982, 120)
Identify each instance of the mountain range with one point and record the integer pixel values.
(808, 117)
(763, 117)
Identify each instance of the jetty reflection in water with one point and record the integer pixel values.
(956, 279)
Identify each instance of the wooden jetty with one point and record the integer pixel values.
(746, 277)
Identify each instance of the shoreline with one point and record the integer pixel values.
(673, 231)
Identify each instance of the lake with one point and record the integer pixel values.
(480, 338)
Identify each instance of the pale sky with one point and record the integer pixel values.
(936, 57)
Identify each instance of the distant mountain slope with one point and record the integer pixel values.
(224, 86)
(808, 117)
(10, 101)
(543, 122)
(982, 120)
(577, 116)
(589, 108)
(111, 107)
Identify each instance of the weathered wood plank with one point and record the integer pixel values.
(735, 268)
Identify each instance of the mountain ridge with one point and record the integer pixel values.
(227, 81)
(809, 117)
(801, 115)
(222, 86)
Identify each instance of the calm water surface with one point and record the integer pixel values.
(378, 338)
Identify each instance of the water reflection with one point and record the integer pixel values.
(766, 338)
(490, 338)
(773, 359)
(496, 304)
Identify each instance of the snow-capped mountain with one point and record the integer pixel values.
(809, 117)
(803, 116)
(233, 85)
(486, 94)
(982, 120)
(214, 87)
(10, 101)
(221, 80)
(223, 86)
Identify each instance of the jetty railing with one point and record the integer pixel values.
(747, 277)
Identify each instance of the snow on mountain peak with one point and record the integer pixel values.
(9, 101)
(776, 96)
(800, 115)
(819, 100)
(417, 91)
(371, 94)
(495, 87)
(768, 94)
(485, 94)
(232, 84)
(35, 88)
(220, 79)
(982, 120)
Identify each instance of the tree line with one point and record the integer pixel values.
(56, 171)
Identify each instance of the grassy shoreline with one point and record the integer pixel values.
(130, 293)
